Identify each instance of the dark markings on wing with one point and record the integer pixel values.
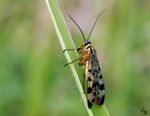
(100, 76)
(98, 84)
(89, 103)
(90, 89)
(95, 84)
(89, 79)
(101, 87)
(89, 70)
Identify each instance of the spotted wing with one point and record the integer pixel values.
(90, 88)
(98, 83)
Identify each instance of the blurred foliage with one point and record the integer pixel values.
(33, 81)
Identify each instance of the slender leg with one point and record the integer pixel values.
(69, 50)
(70, 62)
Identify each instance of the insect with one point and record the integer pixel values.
(92, 72)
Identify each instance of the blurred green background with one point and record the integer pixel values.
(33, 80)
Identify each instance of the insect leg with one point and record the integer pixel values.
(70, 62)
(69, 50)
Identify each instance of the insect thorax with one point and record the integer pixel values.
(84, 53)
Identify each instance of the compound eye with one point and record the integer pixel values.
(87, 43)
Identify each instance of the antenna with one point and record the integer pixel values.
(95, 24)
(78, 28)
